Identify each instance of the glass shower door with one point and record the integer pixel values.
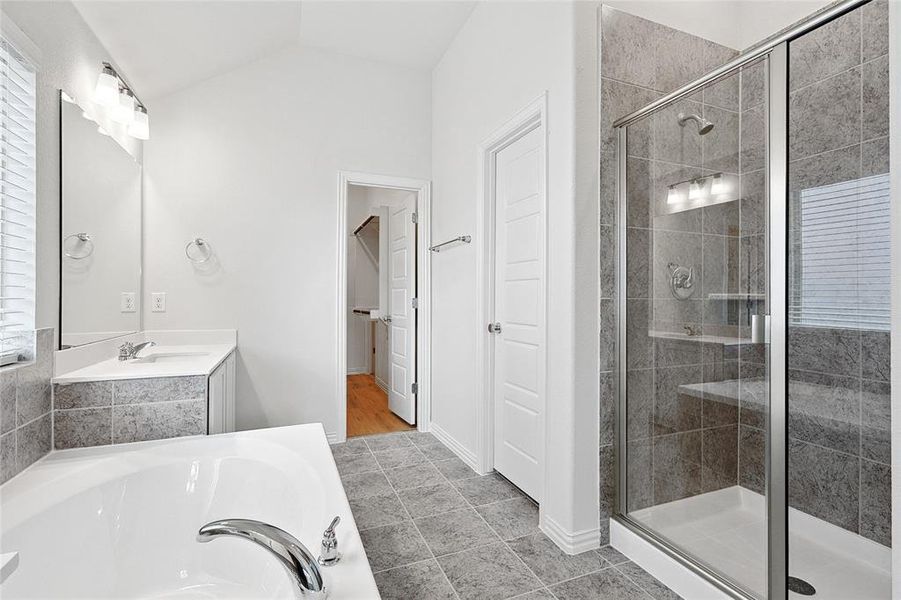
(695, 370)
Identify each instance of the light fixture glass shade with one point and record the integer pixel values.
(719, 185)
(106, 92)
(125, 111)
(140, 127)
(673, 195)
(696, 189)
(102, 131)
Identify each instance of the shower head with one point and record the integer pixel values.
(704, 126)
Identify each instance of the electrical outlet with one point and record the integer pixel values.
(158, 302)
(127, 302)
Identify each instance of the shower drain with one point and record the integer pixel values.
(799, 586)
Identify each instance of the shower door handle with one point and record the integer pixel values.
(760, 329)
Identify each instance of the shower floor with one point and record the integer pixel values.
(726, 528)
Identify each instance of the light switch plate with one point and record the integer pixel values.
(128, 303)
(158, 302)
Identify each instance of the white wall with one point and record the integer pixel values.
(70, 60)
(503, 58)
(249, 160)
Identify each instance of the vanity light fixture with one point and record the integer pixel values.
(113, 93)
(106, 92)
(673, 195)
(718, 185)
(140, 127)
(696, 189)
(125, 111)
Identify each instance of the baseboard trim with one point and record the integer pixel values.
(332, 437)
(570, 542)
(456, 447)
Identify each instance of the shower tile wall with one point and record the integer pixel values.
(840, 446)
(679, 446)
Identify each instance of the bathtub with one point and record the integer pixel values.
(121, 521)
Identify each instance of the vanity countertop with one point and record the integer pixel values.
(158, 361)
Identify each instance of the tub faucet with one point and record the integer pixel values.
(293, 555)
(129, 351)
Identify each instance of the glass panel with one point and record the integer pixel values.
(839, 410)
(696, 382)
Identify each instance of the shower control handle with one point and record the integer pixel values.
(494, 327)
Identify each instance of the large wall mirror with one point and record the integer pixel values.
(100, 233)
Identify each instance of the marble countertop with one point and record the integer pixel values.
(182, 360)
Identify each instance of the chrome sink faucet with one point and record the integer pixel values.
(129, 351)
(290, 552)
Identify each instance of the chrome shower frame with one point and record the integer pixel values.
(775, 51)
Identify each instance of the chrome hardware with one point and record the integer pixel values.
(83, 239)
(494, 328)
(329, 553)
(691, 331)
(293, 555)
(460, 238)
(129, 351)
(760, 329)
(681, 281)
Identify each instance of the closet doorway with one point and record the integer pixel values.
(382, 368)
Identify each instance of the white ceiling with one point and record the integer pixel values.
(163, 46)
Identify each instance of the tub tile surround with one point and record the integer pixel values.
(434, 529)
(135, 410)
(25, 409)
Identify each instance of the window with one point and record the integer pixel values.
(842, 272)
(17, 205)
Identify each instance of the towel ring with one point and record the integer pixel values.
(202, 253)
(83, 238)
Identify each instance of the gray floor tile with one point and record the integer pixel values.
(489, 572)
(437, 451)
(612, 555)
(421, 581)
(647, 582)
(421, 439)
(378, 510)
(363, 485)
(431, 500)
(542, 594)
(455, 531)
(351, 447)
(399, 457)
(388, 441)
(608, 584)
(550, 563)
(454, 468)
(415, 476)
(487, 489)
(394, 546)
(356, 463)
(512, 518)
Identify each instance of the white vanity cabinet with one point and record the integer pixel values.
(221, 397)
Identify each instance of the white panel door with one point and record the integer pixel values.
(402, 327)
(519, 306)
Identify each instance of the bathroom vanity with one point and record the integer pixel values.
(182, 385)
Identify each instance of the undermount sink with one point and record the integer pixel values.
(167, 357)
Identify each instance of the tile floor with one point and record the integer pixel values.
(435, 530)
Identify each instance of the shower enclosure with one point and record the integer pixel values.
(753, 439)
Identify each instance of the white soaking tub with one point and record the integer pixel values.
(122, 521)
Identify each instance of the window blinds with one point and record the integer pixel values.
(842, 268)
(17, 205)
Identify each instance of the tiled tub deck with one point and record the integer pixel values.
(435, 530)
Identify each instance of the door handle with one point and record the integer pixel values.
(494, 327)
